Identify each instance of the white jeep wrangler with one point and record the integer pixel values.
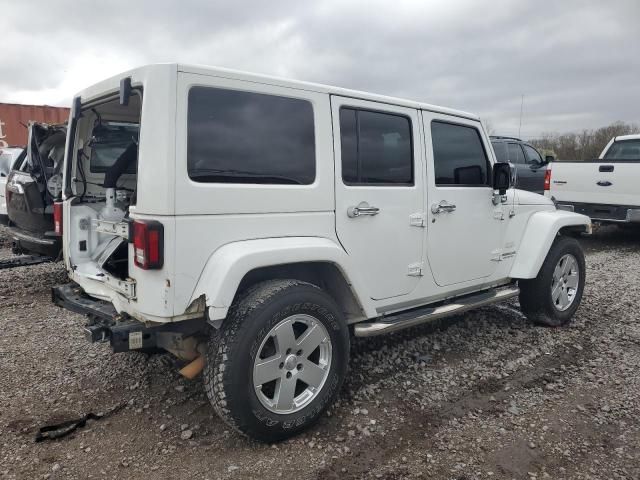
(250, 225)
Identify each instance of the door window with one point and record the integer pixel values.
(458, 155)
(376, 148)
(515, 154)
(532, 155)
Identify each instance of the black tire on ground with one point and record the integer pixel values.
(228, 373)
(536, 300)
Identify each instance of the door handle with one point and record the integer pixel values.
(443, 206)
(604, 183)
(363, 208)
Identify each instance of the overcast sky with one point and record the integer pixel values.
(575, 62)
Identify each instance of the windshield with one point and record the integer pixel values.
(624, 150)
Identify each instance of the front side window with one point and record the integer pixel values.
(532, 155)
(376, 148)
(458, 155)
(244, 137)
(515, 154)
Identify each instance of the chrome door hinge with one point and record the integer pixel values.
(501, 254)
(415, 270)
(417, 220)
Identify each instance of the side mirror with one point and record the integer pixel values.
(549, 158)
(502, 177)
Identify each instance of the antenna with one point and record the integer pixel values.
(521, 106)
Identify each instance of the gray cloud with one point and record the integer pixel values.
(575, 61)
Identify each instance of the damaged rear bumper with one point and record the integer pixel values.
(23, 241)
(120, 330)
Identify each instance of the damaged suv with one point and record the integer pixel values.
(32, 187)
(250, 225)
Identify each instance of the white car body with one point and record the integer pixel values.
(605, 189)
(8, 157)
(217, 234)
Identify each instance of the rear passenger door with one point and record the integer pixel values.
(380, 192)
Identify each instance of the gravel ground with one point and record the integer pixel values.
(482, 395)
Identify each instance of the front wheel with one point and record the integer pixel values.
(279, 360)
(553, 297)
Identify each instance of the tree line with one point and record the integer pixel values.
(583, 145)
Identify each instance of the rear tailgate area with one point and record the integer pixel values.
(598, 183)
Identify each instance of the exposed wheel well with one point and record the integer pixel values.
(573, 230)
(325, 275)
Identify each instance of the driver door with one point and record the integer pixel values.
(465, 229)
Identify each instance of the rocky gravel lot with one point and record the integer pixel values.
(485, 395)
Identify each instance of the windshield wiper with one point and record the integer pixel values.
(239, 176)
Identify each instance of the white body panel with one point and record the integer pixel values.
(8, 156)
(214, 233)
(584, 182)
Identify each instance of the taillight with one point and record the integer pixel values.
(57, 218)
(148, 244)
(547, 180)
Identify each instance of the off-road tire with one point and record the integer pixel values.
(231, 354)
(535, 294)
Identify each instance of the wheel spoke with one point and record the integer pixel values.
(310, 340)
(572, 280)
(568, 266)
(311, 374)
(557, 273)
(284, 337)
(267, 370)
(285, 390)
(564, 298)
(555, 293)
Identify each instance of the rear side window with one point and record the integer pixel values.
(624, 150)
(245, 137)
(532, 155)
(500, 149)
(515, 154)
(376, 148)
(458, 155)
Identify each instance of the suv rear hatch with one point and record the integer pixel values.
(32, 186)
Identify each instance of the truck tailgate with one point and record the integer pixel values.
(604, 183)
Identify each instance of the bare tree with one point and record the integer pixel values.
(584, 145)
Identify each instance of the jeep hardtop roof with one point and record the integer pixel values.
(113, 83)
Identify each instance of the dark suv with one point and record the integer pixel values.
(529, 164)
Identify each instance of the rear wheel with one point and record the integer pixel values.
(553, 297)
(279, 360)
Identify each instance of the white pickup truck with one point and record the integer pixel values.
(606, 189)
(250, 225)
